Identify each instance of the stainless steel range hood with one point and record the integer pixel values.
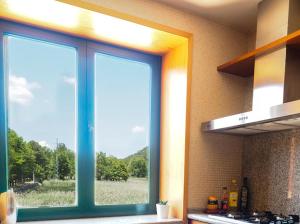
(276, 118)
(276, 85)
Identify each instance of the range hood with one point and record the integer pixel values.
(276, 83)
(276, 118)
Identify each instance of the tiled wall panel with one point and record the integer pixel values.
(271, 161)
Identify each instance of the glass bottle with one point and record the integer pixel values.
(244, 195)
(233, 196)
(224, 200)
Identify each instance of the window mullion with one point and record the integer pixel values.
(3, 123)
(85, 130)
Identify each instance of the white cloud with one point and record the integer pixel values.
(44, 144)
(70, 80)
(137, 129)
(20, 90)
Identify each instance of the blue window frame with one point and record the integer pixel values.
(86, 51)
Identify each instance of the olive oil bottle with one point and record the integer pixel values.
(244, 196)
(233, 196)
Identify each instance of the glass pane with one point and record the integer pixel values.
(122, 114)
(41, 81)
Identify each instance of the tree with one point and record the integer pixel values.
(115, 169)
(41, 163)
(101, 165)
(29, 161)
(21, 159)
(33, 162)
(138, 167)
(110, 168)
(71, 156)
(65, 162)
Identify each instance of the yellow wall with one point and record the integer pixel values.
(3, 206)
(213, 159)
(173, 129)
(93, 22)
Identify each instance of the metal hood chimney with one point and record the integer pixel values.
(276, 85)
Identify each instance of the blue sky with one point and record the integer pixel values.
(122, 90)
(42, 99)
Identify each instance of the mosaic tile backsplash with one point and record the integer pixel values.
(271, 161)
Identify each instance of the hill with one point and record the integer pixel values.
(143, 153)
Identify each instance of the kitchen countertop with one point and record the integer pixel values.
(140, 219)
(208, 219)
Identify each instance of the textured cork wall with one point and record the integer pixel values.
(271, 161)
(213, 159)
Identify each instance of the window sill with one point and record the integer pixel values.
(141, 219)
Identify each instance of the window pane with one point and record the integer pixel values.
(41, 81)
(122, 116)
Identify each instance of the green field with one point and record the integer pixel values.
(62, 193)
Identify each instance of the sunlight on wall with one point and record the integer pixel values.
(3, 206)
(107, 27)
(173, 129)
(121, 30)
(48, 11)
(173, 142)
(177, 104)
(90, 21)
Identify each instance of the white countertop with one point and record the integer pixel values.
(212, 219)
(139, 219)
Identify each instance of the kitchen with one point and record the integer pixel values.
(242, 56)
(269, 159)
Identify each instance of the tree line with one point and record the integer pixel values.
(114, 169)
(31, 162)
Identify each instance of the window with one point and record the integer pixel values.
(80, 130)
(41, 144)
(122, 112)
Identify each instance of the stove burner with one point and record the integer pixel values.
(265, 217)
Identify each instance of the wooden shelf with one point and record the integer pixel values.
(244, 65)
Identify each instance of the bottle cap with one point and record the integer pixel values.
(212, 198)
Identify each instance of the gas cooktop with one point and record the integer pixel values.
(265, 217)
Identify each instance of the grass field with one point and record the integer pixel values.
(62, 193)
